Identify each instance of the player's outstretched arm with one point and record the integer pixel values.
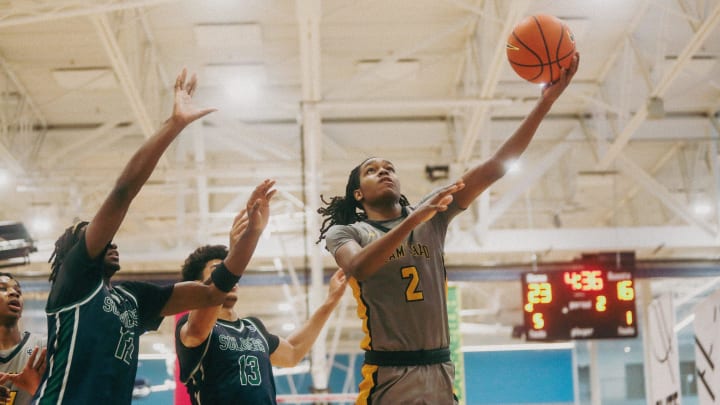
(291, 350)
(107, 220)
(480, 177)
(362, 262)
(245, 234)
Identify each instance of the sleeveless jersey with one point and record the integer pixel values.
(13, 361)
(403, 305)
(232, 366)
(93, 344)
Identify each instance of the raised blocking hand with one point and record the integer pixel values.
(258, 206)
(184, 112)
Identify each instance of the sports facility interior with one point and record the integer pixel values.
(624, 169)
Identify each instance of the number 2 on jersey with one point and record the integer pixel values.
(411, 292)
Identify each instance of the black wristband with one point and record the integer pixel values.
(223, 279)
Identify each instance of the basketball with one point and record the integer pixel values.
(539, 46)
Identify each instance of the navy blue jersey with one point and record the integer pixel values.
(232, 366)
(93, 334)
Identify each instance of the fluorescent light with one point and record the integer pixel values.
(4, 178)
(228, 35)
(40, 225)
(702, 208)
(513, 166)
(241, 81)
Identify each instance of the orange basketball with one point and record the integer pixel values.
(538, 46)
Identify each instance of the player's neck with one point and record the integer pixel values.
(383, 212)
(9, 336)
(228, 314)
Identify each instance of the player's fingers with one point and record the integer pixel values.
(270, 195)
(239, 216)
(445, 201)
(191, 85)
(180, 81)
(41, 363)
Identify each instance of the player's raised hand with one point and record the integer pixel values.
(240, 224)
(184, 111)
(437, 203)
(258, 206)
(337, 285)
(553, 90)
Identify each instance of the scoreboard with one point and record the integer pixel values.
(590, 299)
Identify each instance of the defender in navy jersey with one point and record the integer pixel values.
(22, 354)
(93, 324)
(393, 256)
(228, 360)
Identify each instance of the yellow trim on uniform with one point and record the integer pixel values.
(368, 372)
(366, 343)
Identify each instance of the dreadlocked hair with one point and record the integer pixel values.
(195, 263)
(63, 245)
(344, 210)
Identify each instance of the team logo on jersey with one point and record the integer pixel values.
(251, 328)
(240, 344)
(29, 350)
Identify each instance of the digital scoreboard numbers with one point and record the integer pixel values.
(582, 302)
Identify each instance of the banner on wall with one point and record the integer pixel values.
(707, 349)
(663, 357)
(456, 354)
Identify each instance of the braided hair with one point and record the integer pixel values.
(63, 245)
(344, 210)
(195, 263)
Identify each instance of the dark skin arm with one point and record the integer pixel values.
(293, 349)
(101, 230)
(362, 262)
(477, 179)
(191, 295)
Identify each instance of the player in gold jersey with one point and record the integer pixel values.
(393, 255)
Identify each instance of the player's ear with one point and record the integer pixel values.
(358, 195)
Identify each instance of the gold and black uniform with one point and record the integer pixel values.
(403, 310)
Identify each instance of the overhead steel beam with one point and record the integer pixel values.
(124, 75)
(350, 84)
(20, 13)
(414, 105)
(33, 113)
(583, 239)
(659, 191)
(661, 87)
(487, 91)
(509, 197)
(309, 14)
(86, 140)
(498, 241)
(632, 192)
